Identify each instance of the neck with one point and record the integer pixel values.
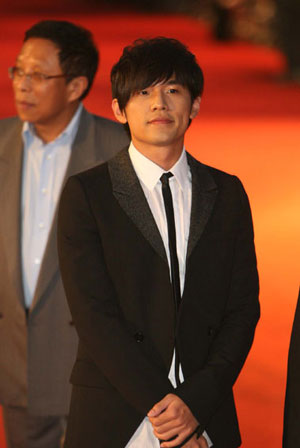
(163, 156)
(50, 130)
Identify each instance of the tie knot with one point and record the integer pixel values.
(165, 178)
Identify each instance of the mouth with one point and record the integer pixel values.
(160, 120)
(25, 105)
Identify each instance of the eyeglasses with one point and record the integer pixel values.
(16, 73)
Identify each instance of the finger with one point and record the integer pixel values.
(167, 427)
(168, 415)
(192, 444)
(202, 442)
(176, 441)
(168, 434)
(160, 406)
(160, 420)
(165, 418)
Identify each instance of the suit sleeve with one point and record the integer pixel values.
(94, 306)
(204, 391)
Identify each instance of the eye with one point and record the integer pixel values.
(172, 90)
(17, 71)
(143, 92)
(38, 76)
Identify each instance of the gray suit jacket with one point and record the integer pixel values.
(37, 353)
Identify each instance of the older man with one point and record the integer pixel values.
(52, 137)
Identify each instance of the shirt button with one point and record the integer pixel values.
(37, 261)
(44, 190)
(41, 225)
(49, 156)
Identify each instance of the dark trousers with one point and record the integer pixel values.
(24, 430)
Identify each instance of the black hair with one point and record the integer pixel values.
(78, 54)
(149, 61)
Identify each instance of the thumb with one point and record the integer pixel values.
(159, 407)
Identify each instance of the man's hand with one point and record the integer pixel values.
(195, 443)
(171, 417)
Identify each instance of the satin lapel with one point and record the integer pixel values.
(83, 156)
(129, 193)
(11, 178)
(204, 193)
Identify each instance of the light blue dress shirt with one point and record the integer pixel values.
(44, 168)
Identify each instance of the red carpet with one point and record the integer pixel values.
(249, 126)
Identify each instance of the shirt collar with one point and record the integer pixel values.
(150, 173)
(69, 132)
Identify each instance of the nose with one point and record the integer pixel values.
(23, 83)
(159, 101)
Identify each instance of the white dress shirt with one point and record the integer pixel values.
(149, 175)
(44, 168)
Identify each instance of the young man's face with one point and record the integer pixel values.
(40, 102)
(159, 115)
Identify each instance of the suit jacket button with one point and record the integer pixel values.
(210, 331)
(1, 315)
(139, 337)
(71, 323)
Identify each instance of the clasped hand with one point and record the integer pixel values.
(172, 419)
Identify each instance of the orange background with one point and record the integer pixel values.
(249, 126)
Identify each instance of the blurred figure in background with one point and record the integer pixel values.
(53, 137)
(224, 15)
(288, 25)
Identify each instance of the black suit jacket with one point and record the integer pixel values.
(116, 277)
(291, 428)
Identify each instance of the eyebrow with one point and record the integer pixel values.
(172, 81)
(19, 59)
(37, 67)
(168, 82)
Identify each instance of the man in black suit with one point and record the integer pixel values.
(291, 427)
(165, 318)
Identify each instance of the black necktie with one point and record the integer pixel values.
(167, 195)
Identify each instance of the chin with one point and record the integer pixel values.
(27, 117)
(23, 115)
(164, 142)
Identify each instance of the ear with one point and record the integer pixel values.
(119, 114)
(195, 107)
(76, 87)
